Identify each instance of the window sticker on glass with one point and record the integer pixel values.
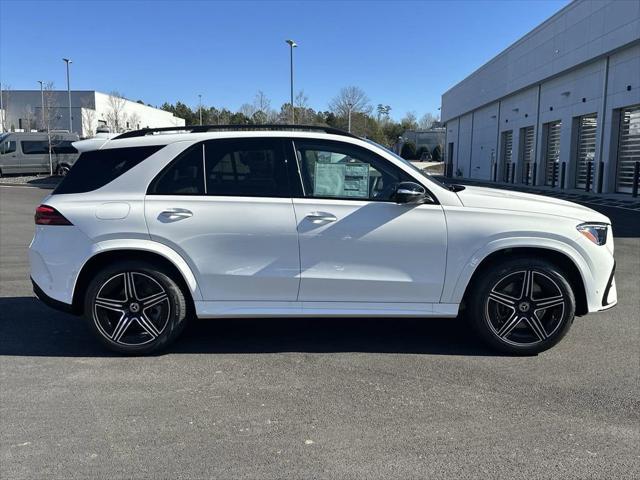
(341, 180)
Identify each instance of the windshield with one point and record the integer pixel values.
(3, 136)
(424, 173)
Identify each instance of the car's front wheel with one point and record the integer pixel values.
(522, 306)
(135, 308)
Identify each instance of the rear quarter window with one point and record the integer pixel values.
(97, 168)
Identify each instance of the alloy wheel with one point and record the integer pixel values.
(525, 307)
(131, 308)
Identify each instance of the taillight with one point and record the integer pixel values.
(46, 215)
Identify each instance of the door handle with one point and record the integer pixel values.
(176, 213)
(321, 217)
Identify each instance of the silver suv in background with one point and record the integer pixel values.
(22, 152)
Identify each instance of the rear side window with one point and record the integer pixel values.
(95, 169)
(248, 167)
(34, 147)
(63, 146)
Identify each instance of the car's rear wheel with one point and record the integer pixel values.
(62, 170)
(135, 308)
(522, 306)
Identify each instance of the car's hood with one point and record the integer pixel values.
(481, 197)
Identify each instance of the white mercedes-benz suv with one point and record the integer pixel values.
(153, 227)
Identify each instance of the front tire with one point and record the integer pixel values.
(522, 306)
(135, 308)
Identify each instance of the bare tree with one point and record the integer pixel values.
(134, 121)
(262, 103)
(29, 119)
(301, 105)
(88, 120)
(5, 94)
(247, 110)
(409, 121)
(426, 121)
(350, 100)
(116, 116)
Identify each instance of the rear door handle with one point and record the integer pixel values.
(321, 217)
(176, 213)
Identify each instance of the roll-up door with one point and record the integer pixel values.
(528, 157)
(586, 149)
(507, 154)
(552, 153)
(628, 147)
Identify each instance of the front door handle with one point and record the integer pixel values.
(176, 213)
(321, 217)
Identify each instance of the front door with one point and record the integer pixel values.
(225, 206)
(356, 244)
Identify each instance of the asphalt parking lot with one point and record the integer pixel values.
(321, 398)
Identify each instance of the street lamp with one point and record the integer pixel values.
(42, 101)
(293, 45)
(68, 61)
(200, 106)
(350, 107)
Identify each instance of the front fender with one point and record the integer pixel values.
(454, 289)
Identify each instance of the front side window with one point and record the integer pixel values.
(8, 147)
(248, 167)
(34, 147)
(337, 170)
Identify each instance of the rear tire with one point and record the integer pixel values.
(135, 308)
(522, 306)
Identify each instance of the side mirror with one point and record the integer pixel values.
(409, 192)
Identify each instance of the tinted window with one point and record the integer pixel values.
(95, 169)
(34, 147)
(252, 167)
(184, 176)
(63, 146)
(8, 147)
(248, 167)
(339, 170)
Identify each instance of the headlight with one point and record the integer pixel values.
(596, 232)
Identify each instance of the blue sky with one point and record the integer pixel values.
(402, 53)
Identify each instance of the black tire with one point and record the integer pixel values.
(140, 323)
(527, 325)
(62, 170)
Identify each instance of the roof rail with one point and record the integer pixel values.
(212, 128)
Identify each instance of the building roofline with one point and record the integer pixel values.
(521, 40)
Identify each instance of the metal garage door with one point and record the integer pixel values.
(586, 148)
(628, 147)
(527, 139)
(507, 155)
(552, 152)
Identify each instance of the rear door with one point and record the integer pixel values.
(225, 206)
(356, 243)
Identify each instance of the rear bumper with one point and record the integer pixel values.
(51, 302)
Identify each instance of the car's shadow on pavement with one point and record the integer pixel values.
(29, 328)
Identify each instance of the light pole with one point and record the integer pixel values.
(200, 106)
(68, 61)
(293, 45)
(42, 101)
(350, 107)
(1, 111)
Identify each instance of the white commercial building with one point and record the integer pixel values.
(560, 107)
(23, 111)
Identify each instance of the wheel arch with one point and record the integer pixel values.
(181, 271)
(559, 258)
